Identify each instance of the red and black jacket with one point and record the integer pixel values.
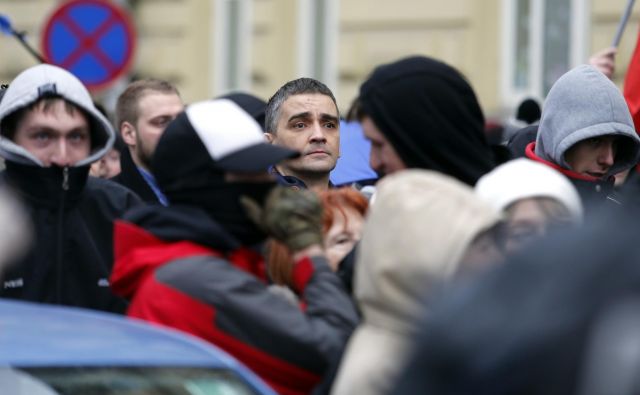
(179, 268)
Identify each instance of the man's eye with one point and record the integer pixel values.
(77, 136)
(595, 141)
(299, 125)
(42, 136)
(164, 121)
(330, 125)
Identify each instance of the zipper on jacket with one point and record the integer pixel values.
(60, 238)
(65, 178)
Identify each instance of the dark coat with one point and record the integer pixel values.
(72, 254)
(131, 178)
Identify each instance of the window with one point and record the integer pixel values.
(543, 40)
(127, 381)
(317, 45)
(232, 19)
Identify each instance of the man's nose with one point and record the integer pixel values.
(60, 154)
(375, 162)
(317, 133)
(607, 155)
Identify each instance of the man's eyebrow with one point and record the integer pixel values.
(160, 116)
(302, 115)
(51, 129)
(44, 127)
(328, 117)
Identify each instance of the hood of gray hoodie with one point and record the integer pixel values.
(582, 104)
(47, 80)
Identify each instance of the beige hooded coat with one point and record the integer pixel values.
(417, 232)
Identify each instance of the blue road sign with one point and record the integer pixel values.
(93, 39)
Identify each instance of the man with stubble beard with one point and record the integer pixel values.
(143, 112)
(303, 115)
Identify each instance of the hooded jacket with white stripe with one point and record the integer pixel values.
(583, 104)
(71, 257)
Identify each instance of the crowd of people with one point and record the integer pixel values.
(466, 264)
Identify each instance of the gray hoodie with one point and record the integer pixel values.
(45, 79)
(582, 104)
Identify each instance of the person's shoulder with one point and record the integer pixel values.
(108, 185)
(101, 188)
(519, 140)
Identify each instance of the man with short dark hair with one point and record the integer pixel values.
(50, 133)
(143, 111)
(303, 115)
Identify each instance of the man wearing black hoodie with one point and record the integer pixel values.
(421, 113)
(50, 133)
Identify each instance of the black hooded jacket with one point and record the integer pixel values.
(72, 253)
(72, 214)
(431, 116)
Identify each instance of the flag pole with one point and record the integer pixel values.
(5, 27)
(623, 23)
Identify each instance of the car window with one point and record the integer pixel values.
(19, 383)
(139, 381)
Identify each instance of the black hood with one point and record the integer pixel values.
(430, 114)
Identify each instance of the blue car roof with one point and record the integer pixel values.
(43, 335)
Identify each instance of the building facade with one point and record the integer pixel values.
(508, 49)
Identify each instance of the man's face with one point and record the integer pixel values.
(594, 156)
(155, 111)
(308, 123)
(383, 157)
(55, 136)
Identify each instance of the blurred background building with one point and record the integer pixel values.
(508, 49)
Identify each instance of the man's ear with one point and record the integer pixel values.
(270, 137)
(128, 133)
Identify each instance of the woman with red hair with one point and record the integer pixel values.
(343, 217)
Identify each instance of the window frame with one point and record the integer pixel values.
(578, 43)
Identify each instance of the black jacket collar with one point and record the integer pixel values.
(131, 178)
(46, 186)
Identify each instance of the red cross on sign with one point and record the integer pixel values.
(93, 39)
